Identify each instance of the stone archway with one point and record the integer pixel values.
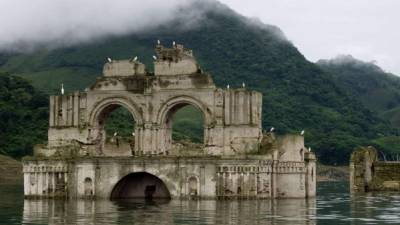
(100, 113)
(100, 106)
(165, 116)
(140, 185)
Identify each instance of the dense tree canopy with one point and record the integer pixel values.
(23, 116)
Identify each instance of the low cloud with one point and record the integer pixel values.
(27, 24)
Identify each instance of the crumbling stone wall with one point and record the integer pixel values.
(232, 117)
(367, 173)
(235, 160)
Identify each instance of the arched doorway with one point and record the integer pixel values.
(88, 185)
(183, 126)
(115, 131)
(187, 124)
(140, 185)
(193, 187)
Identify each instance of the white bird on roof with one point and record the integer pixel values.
(154, 57)
(109, 59)
(272, 129)
(309, 149)
(158, 42)
(243, 85)
(227, 86)
(302, 132)
(62, 89)
(173, 43)
(135, 59)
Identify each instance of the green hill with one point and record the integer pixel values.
(23, 116)
(377, 90)
(297, 94)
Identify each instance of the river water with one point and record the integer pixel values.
(334, 205)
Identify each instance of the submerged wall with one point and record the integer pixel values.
(367, 173)
(205, 178)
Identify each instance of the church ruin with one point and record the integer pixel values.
(369, 174)
(236, 160)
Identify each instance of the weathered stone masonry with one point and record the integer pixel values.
(367, 173)
(237, 160)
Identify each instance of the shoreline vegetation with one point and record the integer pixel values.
(11, 171)
(332, 173)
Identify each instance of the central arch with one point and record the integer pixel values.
(140, 185)
(181, 101)
(165, 116)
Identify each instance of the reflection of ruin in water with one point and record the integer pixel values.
(297, 211)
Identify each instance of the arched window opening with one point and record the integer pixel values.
(187, 128)
(117, 131)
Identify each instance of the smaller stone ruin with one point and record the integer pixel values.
(368, 173)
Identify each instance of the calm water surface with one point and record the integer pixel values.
(334, 205)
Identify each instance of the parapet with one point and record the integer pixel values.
(123, 68)
(291, 147)
(175, 61)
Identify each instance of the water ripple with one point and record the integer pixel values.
(334, 205)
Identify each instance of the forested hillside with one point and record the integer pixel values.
(23, 116)
(378, 90)
(297, 94)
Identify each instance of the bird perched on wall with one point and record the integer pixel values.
(154, 57)
(62, 89)
(158, 42)
(133, 59)
(272, 129)
(302, 132)
(173, 43)
(243, 85)
(109, 59)
(227, 86)
(309, 149)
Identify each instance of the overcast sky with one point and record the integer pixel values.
(367, 29)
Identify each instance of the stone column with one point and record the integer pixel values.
(53, 177)
(202, 181)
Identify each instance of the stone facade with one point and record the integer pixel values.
(236, 159)
(367, 173)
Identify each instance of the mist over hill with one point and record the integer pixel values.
(297, 94)
(378, 90)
